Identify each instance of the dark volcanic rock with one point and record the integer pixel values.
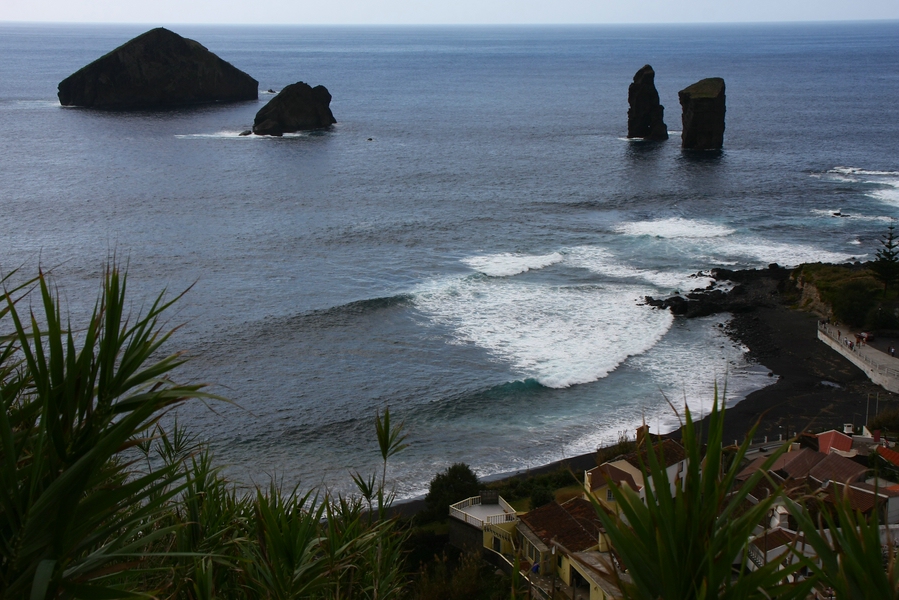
(154, 70)
(645, 117)
(298, 107)
(703, 114)
(755, 288)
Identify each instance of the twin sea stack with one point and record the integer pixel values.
(703, 114)
(645, 117)
(157, 69)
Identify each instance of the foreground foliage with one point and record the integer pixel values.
(685, 544)
(98, 501)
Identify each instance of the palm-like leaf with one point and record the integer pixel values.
(71, 511)
(684, 545)
(850, 552)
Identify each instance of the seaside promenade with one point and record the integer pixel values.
(880, 367)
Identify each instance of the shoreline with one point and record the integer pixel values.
(816, 388)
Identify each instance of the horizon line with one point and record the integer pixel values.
(460, 24)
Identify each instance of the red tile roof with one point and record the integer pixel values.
(599, 477)
(795, 464)
(837, 468)
(861, 500)
(801, 463)
(887, 454)
(834, 440)
(669, 451)
(573, 524)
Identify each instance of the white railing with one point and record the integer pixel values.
(503, 518)
(457, 510)
(875, 360)
(467, 518)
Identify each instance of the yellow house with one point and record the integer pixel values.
(626, 471)
(567, 543)
(483, 521)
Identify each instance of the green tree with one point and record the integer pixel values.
(456, 483)
(886, 262)
(541, 496)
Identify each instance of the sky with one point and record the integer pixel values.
(386, 12)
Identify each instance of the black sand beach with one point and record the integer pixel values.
(815, 389)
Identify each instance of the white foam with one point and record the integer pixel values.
(216, 135)
(764, 252)
(857, 171)
(27, 104)
(675, 227)
(603, 262)
(507, 264)
(888, 195)
(887, 180)
(219, 135)
(712, 358)
(559, 336)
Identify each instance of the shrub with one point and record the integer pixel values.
(541, 496)
(456, 483)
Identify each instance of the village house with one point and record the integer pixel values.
(568, 543)
(627, 471)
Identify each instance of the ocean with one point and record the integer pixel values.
(469, 245)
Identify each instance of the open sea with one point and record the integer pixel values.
(469, 245)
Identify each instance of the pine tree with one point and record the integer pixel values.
(886, 262)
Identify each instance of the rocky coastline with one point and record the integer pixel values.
(813, 388)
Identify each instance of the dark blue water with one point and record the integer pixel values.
(477, 266)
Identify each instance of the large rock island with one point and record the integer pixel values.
(703, 114)
(645, 117)
(298, 107)
(157, 69)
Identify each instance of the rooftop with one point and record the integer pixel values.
(834, 440)
(834, 467)
(669, 451)
(573, 524)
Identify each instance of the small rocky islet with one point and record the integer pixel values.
(161, 69)
(157, 69)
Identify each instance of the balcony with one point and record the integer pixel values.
(483, 510)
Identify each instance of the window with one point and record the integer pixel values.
(609, 495)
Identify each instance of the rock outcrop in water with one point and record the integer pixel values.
(752, 288)
(157, 69)
(645, 117)
(298, 107)
(703, 114)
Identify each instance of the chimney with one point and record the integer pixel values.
(876, 436)
(642, 433)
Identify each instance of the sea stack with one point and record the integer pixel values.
(298, 107)
(645, 117)
(157, 69)
(703, 114)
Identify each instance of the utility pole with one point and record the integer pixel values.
(552, 586)
(867, 405)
